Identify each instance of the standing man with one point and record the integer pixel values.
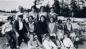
(21, 30)
(7, 30)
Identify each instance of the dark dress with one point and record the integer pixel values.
(41, 29)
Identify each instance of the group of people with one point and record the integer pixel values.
(39, 30)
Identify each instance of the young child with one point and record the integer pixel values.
(67, 42)
(49, 44)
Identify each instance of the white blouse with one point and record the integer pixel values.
(20, 25)
(31, 27)
(6, 28)
(51, 27)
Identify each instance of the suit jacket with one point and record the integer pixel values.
(16, 27)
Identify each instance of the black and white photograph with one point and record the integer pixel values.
(42, 24)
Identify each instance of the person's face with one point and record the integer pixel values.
(81, 6)
(33, 9)
(42, 19)
(65, 36)
(31, 37)
(19, 18)
(51, 20)
(30, 18)
(20, 9)
(35, 38)
(47, 38)
(59, 31)
(52, 10)
(68, 21)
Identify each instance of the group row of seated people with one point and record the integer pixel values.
(39, 31)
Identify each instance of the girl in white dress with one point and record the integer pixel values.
(67, 42)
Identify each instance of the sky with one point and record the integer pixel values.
(13, 4)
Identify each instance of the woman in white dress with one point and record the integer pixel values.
(31, 25)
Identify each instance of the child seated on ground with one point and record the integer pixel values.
(67, 42)
(49, 44)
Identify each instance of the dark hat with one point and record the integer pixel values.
(69, 19)
(52, 37)
(9, 18)
(20, 16)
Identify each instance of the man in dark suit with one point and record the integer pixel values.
(21, 30)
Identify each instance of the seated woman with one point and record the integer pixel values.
(31, 25)
(52, 27)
